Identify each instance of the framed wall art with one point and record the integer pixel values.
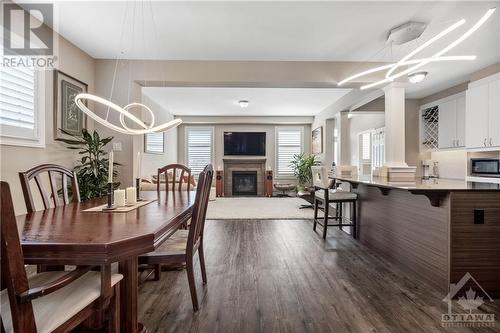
(69, 120)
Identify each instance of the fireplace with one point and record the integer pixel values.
(244, 183)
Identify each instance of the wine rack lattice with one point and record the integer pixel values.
(430, 122)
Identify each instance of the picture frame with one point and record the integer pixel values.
(317, 140)
(154, 143)
(69, 120)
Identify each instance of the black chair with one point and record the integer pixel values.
(324, 196)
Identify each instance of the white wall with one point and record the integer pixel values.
(14, 159)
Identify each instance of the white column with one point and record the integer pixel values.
(344, 153)
(395, 125)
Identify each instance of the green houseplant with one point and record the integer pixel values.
(92, 170)
(301, 165)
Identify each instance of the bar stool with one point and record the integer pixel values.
(324, 195)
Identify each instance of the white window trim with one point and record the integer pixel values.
(276, 148)
(39, 140)
(186, 144)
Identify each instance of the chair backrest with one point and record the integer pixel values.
(53, 171)
(320, 177)
(184, 175)
(200, 209)
(15, 279)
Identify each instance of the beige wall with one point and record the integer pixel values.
(74, 62)
(220, 128)
(151, 162)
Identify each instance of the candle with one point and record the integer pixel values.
(131, 195)
(138, 166)
(119, 198)
(110, 167)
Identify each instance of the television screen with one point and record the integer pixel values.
(245, 143)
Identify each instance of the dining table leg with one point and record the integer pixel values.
(128, 296)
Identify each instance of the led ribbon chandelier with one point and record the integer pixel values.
(418, 63)
(124, 111)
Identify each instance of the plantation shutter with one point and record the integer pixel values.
(289, 144)
(199, 148)
(18, 102)
(155, 142)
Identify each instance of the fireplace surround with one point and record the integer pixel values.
(256, 166)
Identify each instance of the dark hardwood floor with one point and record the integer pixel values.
(280, 276)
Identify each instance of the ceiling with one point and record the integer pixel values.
(280, 31)
(224, 101)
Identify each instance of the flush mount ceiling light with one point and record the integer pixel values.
(124, 111)
(243, 103)
(418, 63)
(417, 77)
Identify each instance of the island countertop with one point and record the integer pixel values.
(433, 184)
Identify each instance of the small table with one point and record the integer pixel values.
(66, 235)
(284, 188)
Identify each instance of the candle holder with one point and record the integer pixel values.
(110, 205)
(138, 189)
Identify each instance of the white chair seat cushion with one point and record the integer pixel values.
(336, 195)
(175, 245)
(53, 310)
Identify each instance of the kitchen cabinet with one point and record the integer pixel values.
(483, 113)
(447, 124)
(451, 124)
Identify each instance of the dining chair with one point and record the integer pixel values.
(49, 301)
(325, 195)
(58, 179)
(180, 174)
(183, 245)
(54, 172)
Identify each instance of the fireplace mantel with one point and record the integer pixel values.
(244, 164)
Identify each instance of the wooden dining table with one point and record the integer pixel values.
(66, 235)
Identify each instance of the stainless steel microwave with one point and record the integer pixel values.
(488, 167)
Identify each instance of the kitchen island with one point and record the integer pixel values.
(439, 229)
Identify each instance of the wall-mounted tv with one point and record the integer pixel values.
(245, 143)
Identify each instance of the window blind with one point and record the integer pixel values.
(199, 148)
(18, 107)
(155, 143)
(289, 144)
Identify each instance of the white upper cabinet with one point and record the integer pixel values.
(447, 136)
(460, 115)
(483, 113)
(494, 113)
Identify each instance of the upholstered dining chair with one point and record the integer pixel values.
(54, 172)
(174, 174)
(325, 195)
(183, 245)
(50, 301)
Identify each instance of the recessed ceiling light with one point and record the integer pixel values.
(417, 77)
(243, 103)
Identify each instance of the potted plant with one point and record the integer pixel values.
(301, 165)
(92, 171)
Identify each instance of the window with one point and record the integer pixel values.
(289, 143)
(154, 143)
(21, 106)
(199, 150)
(378, 148)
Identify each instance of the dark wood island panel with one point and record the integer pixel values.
(438, 229)
(407, 230)
(475, 248)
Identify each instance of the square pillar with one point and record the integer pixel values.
(395, 125)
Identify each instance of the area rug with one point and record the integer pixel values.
(257, 208)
